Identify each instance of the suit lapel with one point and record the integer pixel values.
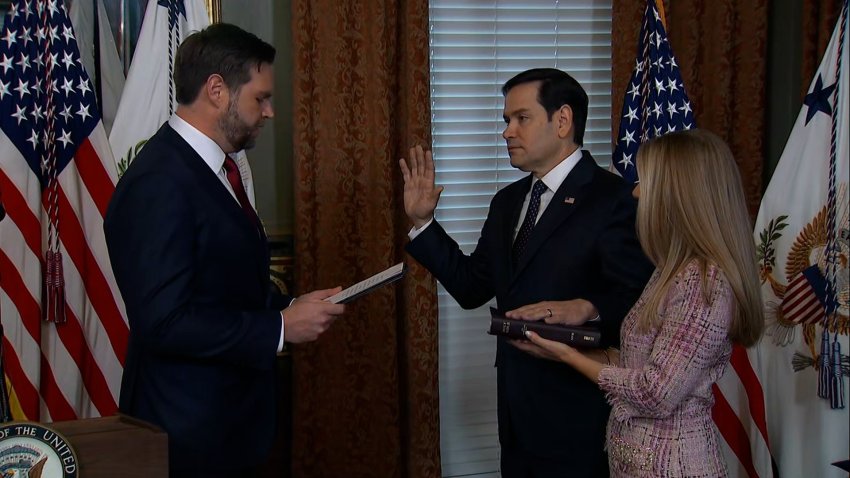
(515, 203)
(223, 200)
(567, 198)
(211, 184)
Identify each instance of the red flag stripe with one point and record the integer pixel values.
(57, 405)
(802, 295)
(798, 284)
(27, 307)
(19, 212)
(755, 395)
(72, 337)
(799, 280)
(94, 176)
(30, 314)
(801, 305)
(733, 431)
(804, 313)
(806, 306)
(97, 289)
(24, 389)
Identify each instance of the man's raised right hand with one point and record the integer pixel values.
(420, 193)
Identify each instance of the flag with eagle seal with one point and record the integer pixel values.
(801, 235)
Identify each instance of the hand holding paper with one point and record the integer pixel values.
(310, 315)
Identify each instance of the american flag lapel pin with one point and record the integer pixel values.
(569, 200)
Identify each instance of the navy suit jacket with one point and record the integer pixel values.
(583, 246)
(204, 325)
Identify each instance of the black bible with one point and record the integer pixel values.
(575, 336)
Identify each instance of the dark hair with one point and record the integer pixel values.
(556, 90)
(222, 49)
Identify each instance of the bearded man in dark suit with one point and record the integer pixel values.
(190, 257)
(558, 245)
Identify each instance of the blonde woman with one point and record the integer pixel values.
(702, 298)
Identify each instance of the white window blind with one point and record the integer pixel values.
(476, 46)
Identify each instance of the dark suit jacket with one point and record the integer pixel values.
(204, 327)
(584, 248)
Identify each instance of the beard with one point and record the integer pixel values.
(238, 133)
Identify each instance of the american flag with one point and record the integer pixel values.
(656, 102)
(56, 175)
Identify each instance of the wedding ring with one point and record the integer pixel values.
(550, 312)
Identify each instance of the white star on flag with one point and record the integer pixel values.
(655, 82)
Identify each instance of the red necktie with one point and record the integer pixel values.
(235, 180)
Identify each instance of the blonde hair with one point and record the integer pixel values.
(692, 207)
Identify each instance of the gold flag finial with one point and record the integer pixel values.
(213, 10)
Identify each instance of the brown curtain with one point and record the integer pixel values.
(365, 395)
(721, 49)
(818, 22)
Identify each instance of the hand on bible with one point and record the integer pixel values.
(567, 312)
(420, 192)
(310, 315)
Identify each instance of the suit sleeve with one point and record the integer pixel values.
(623, 268)
(277, 300)
(467, 278)
(151, 237)
(692, 338)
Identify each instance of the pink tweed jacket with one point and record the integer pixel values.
(660, 423)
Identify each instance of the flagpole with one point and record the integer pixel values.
(98, 80)
(213, 10)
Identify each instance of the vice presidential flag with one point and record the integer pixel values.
(148, 97)
(656, 102)
(65, 329)
(802, 240)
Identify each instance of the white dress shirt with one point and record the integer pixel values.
(213, 155)
(553, 181)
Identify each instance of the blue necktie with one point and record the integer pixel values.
(530, 219)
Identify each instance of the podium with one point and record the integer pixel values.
(109, 447)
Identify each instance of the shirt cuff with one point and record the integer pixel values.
(415, 232)
(280, 342)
